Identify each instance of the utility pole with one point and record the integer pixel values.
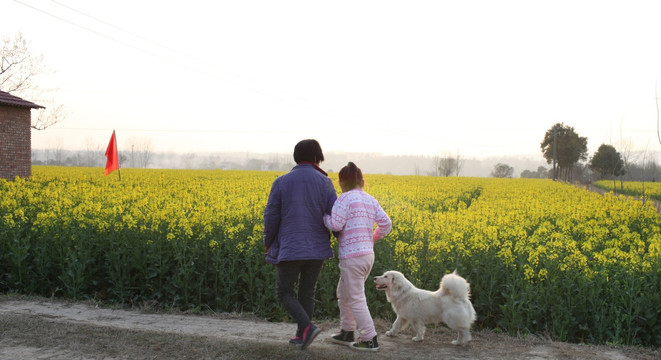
(555, 152)
(656, 101)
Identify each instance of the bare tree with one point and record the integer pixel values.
(435, 163)
(93, 153)
(51, 114)
(459, 163)
(446, 165)
(627, 157)
(58, 152)
(46, 155)
(643, 180)
(18, 69)
(279, 162)
(652, 167)
(187, 160)
(142, 151)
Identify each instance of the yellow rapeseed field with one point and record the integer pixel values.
(541, 256)
(644, 190)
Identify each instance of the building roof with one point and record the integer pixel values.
(11, 100)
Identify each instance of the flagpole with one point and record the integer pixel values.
(119, 168)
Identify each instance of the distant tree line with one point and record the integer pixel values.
(146, 158)
(567, 151)
(561, 146)
(651, 172)
(541, 173)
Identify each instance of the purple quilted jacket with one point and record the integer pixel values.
(293, 219)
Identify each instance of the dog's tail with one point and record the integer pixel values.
(455, 286)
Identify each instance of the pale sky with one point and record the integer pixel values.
(483, 78)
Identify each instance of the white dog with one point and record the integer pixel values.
(416, 307)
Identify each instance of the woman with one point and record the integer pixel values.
(295, 237)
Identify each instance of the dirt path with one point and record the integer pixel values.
(45, 329)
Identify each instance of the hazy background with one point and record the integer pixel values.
(369, 163)
(397, 78)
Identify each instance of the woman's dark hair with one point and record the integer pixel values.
(308, 150)
(351, 176)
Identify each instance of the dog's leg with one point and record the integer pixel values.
(419, 327)
(399, 324)
(464, 337)
(404, 326)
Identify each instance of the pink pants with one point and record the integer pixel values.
(354, 313)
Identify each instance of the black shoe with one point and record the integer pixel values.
(309, 334)
(296, 341)
(343, 338)
(370, 345)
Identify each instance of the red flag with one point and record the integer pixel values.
(111, 153)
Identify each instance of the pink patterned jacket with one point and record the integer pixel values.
(354, 214)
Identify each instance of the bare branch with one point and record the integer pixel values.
(49, 116)
(18, 69)
(17, 65)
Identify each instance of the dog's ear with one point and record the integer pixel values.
(395, 282)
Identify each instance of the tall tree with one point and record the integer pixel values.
(562, 146)
(18, 69)
(607, 162)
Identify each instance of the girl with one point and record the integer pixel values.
(353, 215)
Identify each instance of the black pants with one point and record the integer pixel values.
(306, 272)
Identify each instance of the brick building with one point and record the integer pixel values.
(15, 136)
